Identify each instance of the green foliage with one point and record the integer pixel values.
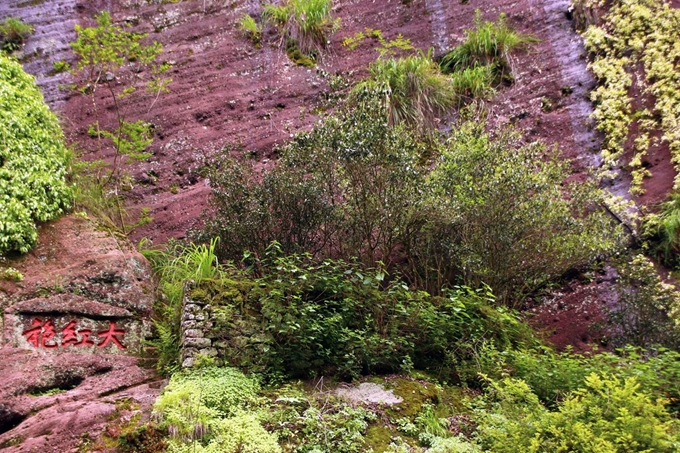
(13, 33)
(117, 60)
(662, 231)
(204, 411)
(385, 47)
(319, 422)
(60, 66)
(308, 23)
(511, 219)
(636, 33)
(488, 209)
(303, 319)
(250, 29)
(552, 376)
(605, 416)
(33, 160)
(174, 267)
(350, 188)
(647, 308)
(489, 44)
(415, 91)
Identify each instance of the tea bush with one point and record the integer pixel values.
(33, 160)
(512, 221)
(485, 208)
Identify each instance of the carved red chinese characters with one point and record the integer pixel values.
(44, 335)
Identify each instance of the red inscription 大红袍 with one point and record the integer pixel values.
(44, 335)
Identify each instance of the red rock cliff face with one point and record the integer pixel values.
(226, 91)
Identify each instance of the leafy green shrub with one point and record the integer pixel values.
(662, 230)
(350, 188)
(204, 411)
(606, 415)
(489, 44)
(33, 160)
(488, 209)
(512, 221)
(414, 89)
(306, 22)
(303, 319)
(552, 376)
(13, 33)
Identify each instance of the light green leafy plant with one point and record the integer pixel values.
(113, 58)
(33, 160)
(251, 29)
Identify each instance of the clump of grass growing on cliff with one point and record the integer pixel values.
(250, 29)
(414, 89)
(13, 33)
(307, 22)
(488, 44)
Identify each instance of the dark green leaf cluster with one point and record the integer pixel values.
(33, 160)
(302, 319)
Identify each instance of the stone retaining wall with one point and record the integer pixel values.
(196, 331)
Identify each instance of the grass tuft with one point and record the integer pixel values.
(14, 32)
(414, 89)
(490, 43)
(307, 22)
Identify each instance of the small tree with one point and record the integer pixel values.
(116, 59)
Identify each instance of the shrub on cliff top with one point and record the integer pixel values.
(33, 160)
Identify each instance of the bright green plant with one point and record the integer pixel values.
(385, 47)
(112, 58)
(308, 23)
(489, 44)
(635, 33)
(251, 29)
(662, 230)
(607, 415)
(415, 91)
(13, 33)
(211, 410)
(646, 307)
(33, 160)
